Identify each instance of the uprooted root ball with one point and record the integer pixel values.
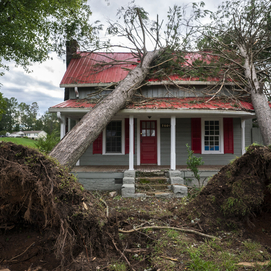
(36, 191)
(237, 194)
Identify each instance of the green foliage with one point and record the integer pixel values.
(3, 105)
(24, 117)
(118, 267)
(193, 163)
(199, 264)
(50, 122)
(47, 144)
(30, 29)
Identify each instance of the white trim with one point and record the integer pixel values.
(173, 143)
(158, 142)
(122, 139)
(131, 143)
(138, 141)
(221, 136)
(243, 136)
(62, 125)
(78, 162)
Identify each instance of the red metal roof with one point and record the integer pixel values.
(170, 103)
(84, 69)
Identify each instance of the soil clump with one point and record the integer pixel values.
(45, 214)
(238, 196)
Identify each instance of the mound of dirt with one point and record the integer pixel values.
(238, 195)
(42, 200)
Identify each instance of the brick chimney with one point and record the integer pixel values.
(71, 49)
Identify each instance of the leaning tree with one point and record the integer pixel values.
(240, 35)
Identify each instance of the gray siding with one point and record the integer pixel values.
(88, 158)
(248, 133)
(154, 91)
(87, 93)
(256, 135)
(165, 142)
(183, 136)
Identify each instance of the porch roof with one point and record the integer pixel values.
(164, 103)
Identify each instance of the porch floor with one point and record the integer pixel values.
(140, 168)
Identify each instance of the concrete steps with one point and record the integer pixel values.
(150, 185)
(153, 184)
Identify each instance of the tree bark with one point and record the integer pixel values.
(75, 143)
(258, 98)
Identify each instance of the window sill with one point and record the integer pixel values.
(113, 153)
(212, 152)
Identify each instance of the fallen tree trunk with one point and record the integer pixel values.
(75, 143)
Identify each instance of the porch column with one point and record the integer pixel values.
(62, 124)
(131, 142)
(78, 162)
(173, 143)
(243, 137)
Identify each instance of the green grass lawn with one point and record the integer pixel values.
(20, 141)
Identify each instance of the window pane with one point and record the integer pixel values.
(148, 124)
(144, 132)
(152, 132)
(211, 135)
(113, 137)
(143, 125)
(148, 132)
(152, 125)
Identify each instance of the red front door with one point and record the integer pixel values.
(148, 140)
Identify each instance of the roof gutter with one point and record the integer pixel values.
(165, 112)
(153, 83)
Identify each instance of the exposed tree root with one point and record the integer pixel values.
(171, 228)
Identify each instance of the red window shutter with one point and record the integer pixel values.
(228, 135)
(196, 135)
(127, 136)
(98, 144)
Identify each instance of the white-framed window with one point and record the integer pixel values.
(113, 138)
(212, 136)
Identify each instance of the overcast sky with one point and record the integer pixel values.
(42, 85)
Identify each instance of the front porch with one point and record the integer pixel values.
(110, 178)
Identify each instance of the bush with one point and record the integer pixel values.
(46, 144)
(193, 163)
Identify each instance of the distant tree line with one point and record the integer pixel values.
(24, 117)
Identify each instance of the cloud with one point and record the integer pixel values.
(42, 85)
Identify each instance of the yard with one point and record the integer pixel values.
(224, 227)
(20, 141)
